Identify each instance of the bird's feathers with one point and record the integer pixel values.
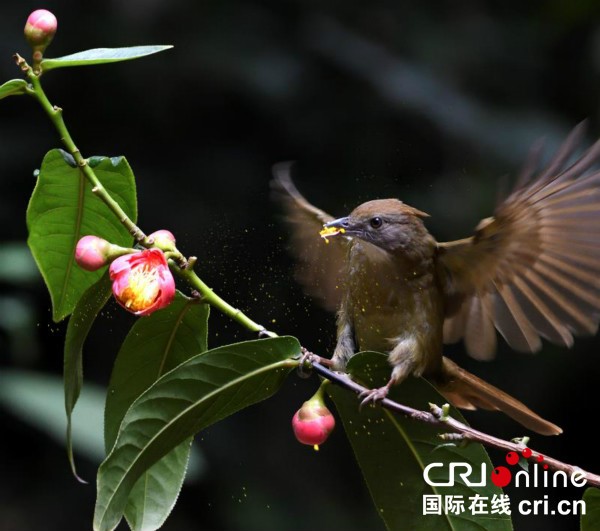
(320, 265)
(467, 391)
(532, 271)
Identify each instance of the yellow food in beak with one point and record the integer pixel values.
(330, 231)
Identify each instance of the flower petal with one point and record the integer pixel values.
(142, 281)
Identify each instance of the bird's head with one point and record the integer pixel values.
(386, 223)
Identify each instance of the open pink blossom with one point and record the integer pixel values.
(142, 282)
(313, 422)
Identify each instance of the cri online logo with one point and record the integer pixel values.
(501, 476)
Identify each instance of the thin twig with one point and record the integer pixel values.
(438, 418)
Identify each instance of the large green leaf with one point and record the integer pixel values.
(80, 323)
(14, 87)
(99, 56)
(62, 209)
(194, 395)
(155, 345)
(393, 451)
(590, 521)
(154, 494)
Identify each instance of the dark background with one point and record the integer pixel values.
(429, 102)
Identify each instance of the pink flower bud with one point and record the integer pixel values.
(40, 29)
(164, 239)
(313, 422)
(92, 253)
(142, 281)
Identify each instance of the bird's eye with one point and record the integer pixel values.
(376, 222)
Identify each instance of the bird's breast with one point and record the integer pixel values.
(392, 298)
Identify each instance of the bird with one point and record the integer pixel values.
(531, 272)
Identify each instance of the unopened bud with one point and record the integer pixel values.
(313, 422)
(163, 239)
(40, 29)
(92, 253)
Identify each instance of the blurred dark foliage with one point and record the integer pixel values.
(429, 102)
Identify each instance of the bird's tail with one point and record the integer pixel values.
(464, 390)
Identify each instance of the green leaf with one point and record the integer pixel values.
(80, 323)
(98, 56)
(392, 452)
(62, 209)
(194, 395)
(14, 87)
(154, 494)
(155, 345)
(590, 520)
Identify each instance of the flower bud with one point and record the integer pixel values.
(164, 239)
(313, 422)
(92, 253)
(40, 29)
(142, 281)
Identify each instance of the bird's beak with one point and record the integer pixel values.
(335, 227)
(341, 223)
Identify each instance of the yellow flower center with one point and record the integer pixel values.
(143, 289)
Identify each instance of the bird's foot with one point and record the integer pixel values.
(372, 396)
(307, 358)
(304, 364)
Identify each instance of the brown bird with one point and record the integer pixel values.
(532, 271)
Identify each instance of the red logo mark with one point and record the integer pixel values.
(512, 458)
(501, 476)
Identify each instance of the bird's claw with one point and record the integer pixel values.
(372, 396)
(304, 364)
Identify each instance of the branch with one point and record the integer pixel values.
(437, 417)
(55, 114)
(210, 297)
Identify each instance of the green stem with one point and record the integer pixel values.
(320, 394)
(55, 115)
(179, 265)
(210, 297)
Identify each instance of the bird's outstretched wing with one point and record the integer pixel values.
(319, 265)
(533, 270)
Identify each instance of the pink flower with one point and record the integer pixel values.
(40, 28)
(92, 253)
(313, 422)
(142, 281)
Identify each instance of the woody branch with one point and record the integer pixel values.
(438, 417)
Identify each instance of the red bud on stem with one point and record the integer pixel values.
(313, 422)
